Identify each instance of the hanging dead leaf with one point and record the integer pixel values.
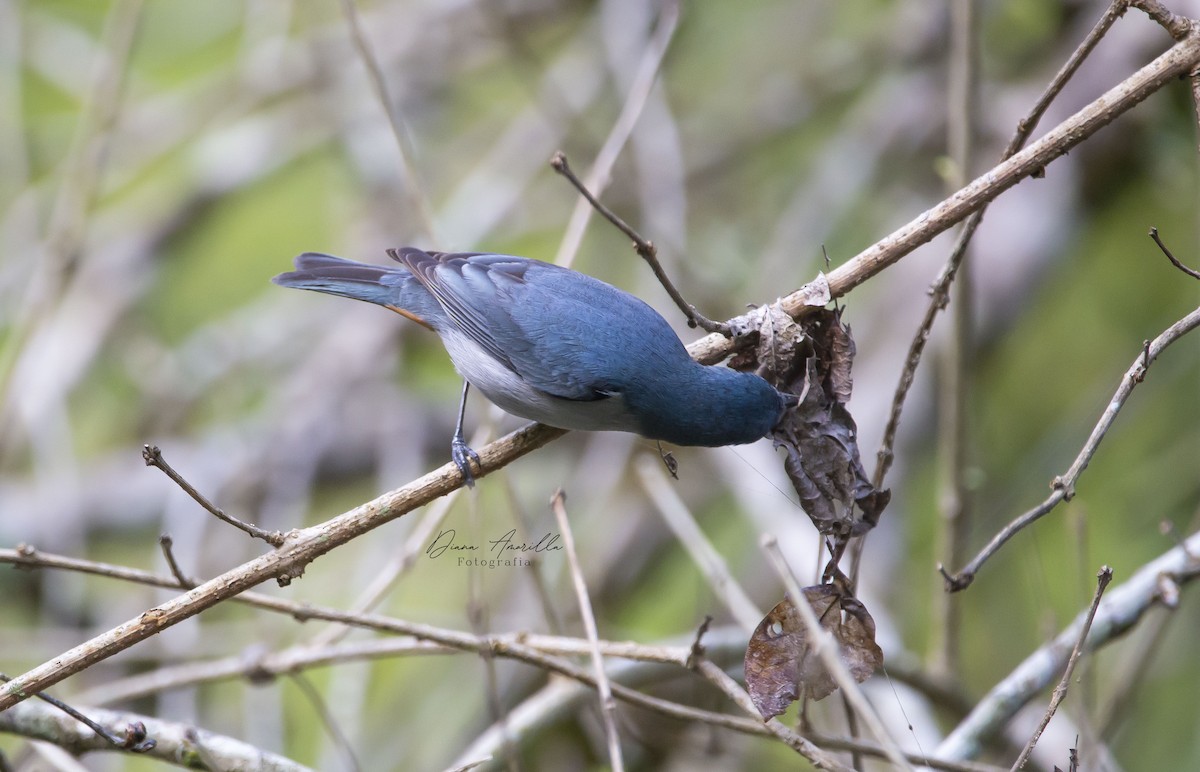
(841, 359)
(821, 439)
(781, 344)
(813, 360)
(782, 663)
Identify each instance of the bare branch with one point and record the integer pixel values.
(153, 457)
(284, 564)
(1064, 486)
(939, 293)
(608, 708)
(166, 543)
(174, 741)
(305, 545)
(133, 736)
(1060, 691)
(1176, 26)
(644, 248)
(1033, 160)
(1118, 612)
(1174, 261)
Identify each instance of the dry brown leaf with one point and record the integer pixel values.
(821, 438)
(781, 661)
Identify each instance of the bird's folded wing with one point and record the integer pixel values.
(488, 299)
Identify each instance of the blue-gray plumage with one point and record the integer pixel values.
(556, 346)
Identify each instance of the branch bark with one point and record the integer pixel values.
(177, 743)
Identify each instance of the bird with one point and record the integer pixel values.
(554, 345)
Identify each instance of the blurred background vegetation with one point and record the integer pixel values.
(160, 161)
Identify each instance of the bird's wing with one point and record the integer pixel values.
(463, 297)
(515, 320)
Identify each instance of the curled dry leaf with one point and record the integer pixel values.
(841, 359)
(782, 345)
(782, 661)
(820, 436)
(813, 360)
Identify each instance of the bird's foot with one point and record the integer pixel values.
(463, 455)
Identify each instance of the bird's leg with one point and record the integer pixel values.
(460, 451)
(668, 460)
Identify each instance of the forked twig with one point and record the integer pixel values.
(1174, 260)
(644, 248)
(153, 457)
(1060, 692)
(1064, 485)
(939, 292)
(136, 739)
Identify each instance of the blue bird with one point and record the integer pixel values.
(556, 346)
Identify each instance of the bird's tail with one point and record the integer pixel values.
(379, 284)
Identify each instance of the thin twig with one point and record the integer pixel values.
(327, 720)
(1120, 610)
(135, 738)
(608, 707)
(1178, 27)
(283, 564)
(679, 519)
(644, 248)
(537, 650)
(817, 756)
(827, 649)
(166, 543)
(395, 120)
(153, 457)
(1060, 692)
(561, 698)
(1064, 486)
(1174, 261)
(175, 742)
(940, 289)
(599, 176)
(955, 365)
(697, 652)
(27, 557)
